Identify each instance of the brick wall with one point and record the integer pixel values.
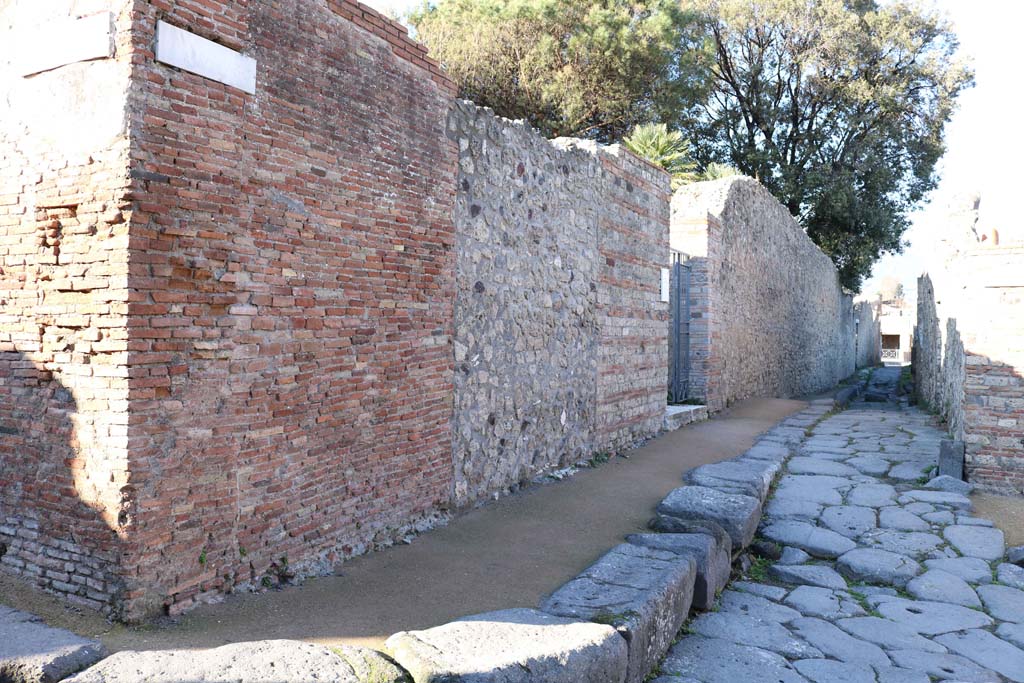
(769, 317)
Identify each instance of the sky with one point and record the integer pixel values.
(983, 152)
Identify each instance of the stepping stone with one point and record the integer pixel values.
(515, 645)
(870, 464)
(32, 651)
(894, 674)
(941, 586)
(849, 520)
(944, 482)
(250, 662)
(818, 542)
(784, 508)
(1012, 633)
(901, 520)
(738, 515)
(713, 560)
(988, 651)
(712, 660)
(910, 471)
(809, 575)
(956, 500)
(813, 601)
(932, 618)
(837, 643)
(944, 666)
(804, 465)
(756, 607)
(831, 671)
(744, 630)
(765, 591)
(887, 634)
(752, 477)
(872, 495)
(1003, 602)
(1011, 575)
(970, 569)
(877, 566)
(644, 593)
(972, 541)
(940, 517)
(914, 543)
(793, 556)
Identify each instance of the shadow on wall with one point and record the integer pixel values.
(48, 534)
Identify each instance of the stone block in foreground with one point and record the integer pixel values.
(712, 555)
(512, 646)
(264, 661)
(643, 592)
(737, 514)
(32, 652)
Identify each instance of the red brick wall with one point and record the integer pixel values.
(63, 307)
(292, 278)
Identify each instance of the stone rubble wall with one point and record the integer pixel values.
(969, 359)
(559, 328)
(868, 334)
(65, 494)
(770, 317)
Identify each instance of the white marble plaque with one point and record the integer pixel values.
(64, 41)
(206, 58)
(665, 283)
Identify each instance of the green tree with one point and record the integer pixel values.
(584, 68)
(665, 148)
(838, 108)
(716, 171)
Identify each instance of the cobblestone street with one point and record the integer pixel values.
(884, 576)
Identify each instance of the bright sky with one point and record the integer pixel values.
(984, 153)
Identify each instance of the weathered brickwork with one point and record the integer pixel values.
(769, 315)
(559, 330)
(969, 358)
(65, 498)
(233, 323)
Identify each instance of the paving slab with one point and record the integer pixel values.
(988, 651)
(737, 514)
(873, 565)
(946, 667)
(819, 542)
(756, 607)
(849, 520)
(835, 642)
(888, 634)
(279, 661)
(901, 520)
(713, 558)
(764, 590)
(911, 543)
(645, 594)
(1011, 575)
(808, 575)
(824, 603)
(872, 495)
(745, 630)
(713, 660)
(1012, 633)
(941, 586)
(811, 465)
(955, 500)
(512, 646)
(895, 674)
(933, 618)
(970, 569)
(831, 671)
(972, 541)
(1003, 602)
(32, 652)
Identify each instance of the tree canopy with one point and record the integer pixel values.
(592, 69)
(838, 108)
(665, 148)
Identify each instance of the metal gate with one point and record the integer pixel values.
(679, 329)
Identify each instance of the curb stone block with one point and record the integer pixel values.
(512, 646)
(750, 477)
(737, 514)
(264, 661)
(713, 560)
(643, 592)
(32, 652)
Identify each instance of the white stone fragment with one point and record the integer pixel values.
(206, 58)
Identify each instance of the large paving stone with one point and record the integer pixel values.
(744, 630)
(888, 634)
(849, 520)
(32, 652)
(787, 508)
(932, 618)
(872, 495)
(814, 601)
(819, 542)
(872, 565)
(941, 586)
(972, 541)
(970, 569)
(644, 593)
(821, 489)
(755, 606)
(808, 575)
(712, 555)
(512, 646)
(1015, 555)
(1011, 575)
(755, 476)
(831, 671)
(713, 660)
(909, 471)
(988, 651)
(947, 667)
(738, 515)
(265, 661)
(870, 464)
(895, 674)
(944, 482)
(912, 543)
(901, 520)
(1012, 633)
(1003, 602)
(956, 500)
(835, 642)
(762, 589)
(805, 465)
